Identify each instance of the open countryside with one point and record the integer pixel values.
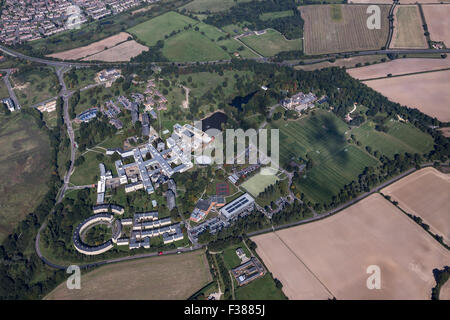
(371, 232)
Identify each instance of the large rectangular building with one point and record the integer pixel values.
(237, 206)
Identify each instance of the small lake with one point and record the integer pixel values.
(239, 100)
(214, 121)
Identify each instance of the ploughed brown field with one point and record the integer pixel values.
(171, 277)
(445, 291)
(331, 256)
(79, 53)
(437, 18)
(426, 194)
(427, 92)
(342, 28)
(398, 67)
(401, 1)
(122, 52)
(408, 31)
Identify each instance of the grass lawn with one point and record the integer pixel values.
(230, 257)
(322, 138)
(400, 138)
(276, 15)
(210, 5)
(89, 171)
(260, 289)
(271, 43)
(3, 90)
(34, 85)
(80, 78)
(191, 45)
(155, 29)
(174, 277)
(24, 167)
(259, 182)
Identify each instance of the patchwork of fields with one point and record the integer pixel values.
(342, 28)
(342, 247)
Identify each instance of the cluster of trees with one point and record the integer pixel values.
(93, 132)
(441, 277)
(250, 13)
(292, 212)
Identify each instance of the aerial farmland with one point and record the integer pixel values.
(343, 28)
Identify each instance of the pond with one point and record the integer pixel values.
(214, 121)
(240, 100)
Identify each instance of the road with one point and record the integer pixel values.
(391, 25)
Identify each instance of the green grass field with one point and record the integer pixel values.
(3, 90)
(271, 43)
(230, 257)
(259, 182)
(276, 15)
(24, 167)
(322, 138)
(192, 46)
(400, 138)
(210, 5)
(155, 29)
(260, 289)
(35, 85)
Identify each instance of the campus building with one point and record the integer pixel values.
(237, 207)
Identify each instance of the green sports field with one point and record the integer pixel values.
(271, 43)
(259, 182)
(192, 46)
(322, 138)
(155, 29)
(400, 138)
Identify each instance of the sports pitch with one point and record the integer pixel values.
(260, 181)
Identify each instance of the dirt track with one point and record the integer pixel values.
(338, 250)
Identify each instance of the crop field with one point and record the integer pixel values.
(34, 85)
(402, 1)
(438, 23)
(399, 139)
(155, 29)
(426, 194)
(408, 32)
(342, 28)
(24, 168)
(79, 53)
(399, 67)
(322, 138)
(192, 46)
(156, 278)
(122, 52)
(342, 247)
(271, 43)
(432, 92)
(211, 5)
(259, 182)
